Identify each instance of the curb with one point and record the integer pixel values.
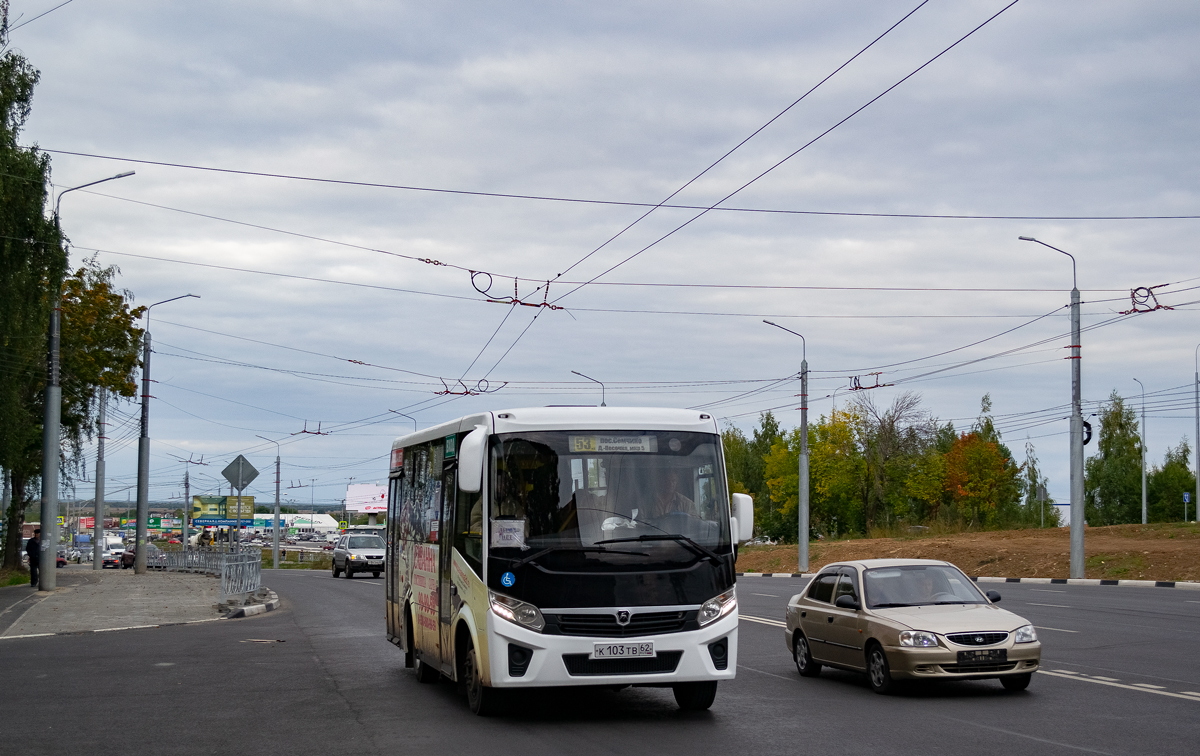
(1184, 584)
(111, 629)
(270, 605)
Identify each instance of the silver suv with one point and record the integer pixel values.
(358, 553)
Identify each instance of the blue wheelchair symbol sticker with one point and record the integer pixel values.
(507, 579)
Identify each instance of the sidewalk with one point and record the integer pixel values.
(87, 600)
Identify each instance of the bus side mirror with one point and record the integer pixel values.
(743, 517)
(470, 460)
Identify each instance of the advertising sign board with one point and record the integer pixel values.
(366, 497)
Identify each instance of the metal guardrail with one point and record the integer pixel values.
(240, 567)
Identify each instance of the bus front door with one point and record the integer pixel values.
(445, 560)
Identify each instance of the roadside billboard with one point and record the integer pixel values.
(366, 497)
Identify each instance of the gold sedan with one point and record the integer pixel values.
(908, 619)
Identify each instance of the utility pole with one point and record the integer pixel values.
(50, 457)
(1143, 451)
(1197, 436)
(275, 538)
(187, 505)
(802, 525)
(143, 471)
(1041, 494)
(1077, 513)
(98, 525)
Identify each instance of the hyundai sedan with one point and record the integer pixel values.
(908, 619)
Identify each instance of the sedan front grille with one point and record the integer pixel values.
(977, 639)
(605, 625)
(974, 669)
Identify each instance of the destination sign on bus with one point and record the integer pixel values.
(613, 444)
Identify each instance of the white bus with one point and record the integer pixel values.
(565, 546)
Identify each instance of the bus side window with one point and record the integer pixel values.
(468, 531)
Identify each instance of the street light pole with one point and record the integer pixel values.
(143, 472)
(802, 482)
(275, 538)
(1077, 513)
(1197, 437)
(51, 431)
(1143, 451)
(593, 380)
(98, 525)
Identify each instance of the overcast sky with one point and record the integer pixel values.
(1054, 108)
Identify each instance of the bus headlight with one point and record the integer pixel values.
(716, 608)
(518, 612)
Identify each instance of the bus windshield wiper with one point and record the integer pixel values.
(534, 556)
(697, 548)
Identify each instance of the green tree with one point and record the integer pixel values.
(1035, 511)
(1166, 485)
(1113, 476)
(99, 345)
(745, 460)
(892, 440)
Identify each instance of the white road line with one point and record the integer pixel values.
(1064, 674)
(1045, 590)
(763, 620)
(1147, 685)
(768, 595)
(1058, 606)
(131, 627)
(30, 635)
(1055, 629)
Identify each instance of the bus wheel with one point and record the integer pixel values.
(426, 673)
(483, 701)
(695, 696)
(374, 574)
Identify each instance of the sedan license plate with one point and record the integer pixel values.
(983, 656)
(643, 650)
(375, 562)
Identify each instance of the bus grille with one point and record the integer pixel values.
(580, 664)
(605, 625)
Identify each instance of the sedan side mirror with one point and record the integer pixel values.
(993, 596)
(846, 601)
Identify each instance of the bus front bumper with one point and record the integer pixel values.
(559, 660)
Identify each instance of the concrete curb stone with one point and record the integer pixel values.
(269, 605)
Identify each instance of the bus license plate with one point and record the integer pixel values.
(623, 650)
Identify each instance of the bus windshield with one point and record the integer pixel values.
(624, 491)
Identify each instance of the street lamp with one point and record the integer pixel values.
(52, 437)
(143, 471)
(593, 380)
(802, 525)
(1197, 437)
(401, 414)
(1077, 514)
(1143, 451)
(275, 538)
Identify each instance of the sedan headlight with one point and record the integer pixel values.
(918, 639)
(1025, 634)
(519, 612)
(717, 607)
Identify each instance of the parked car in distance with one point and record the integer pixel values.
(155, 557)
(908, 619)
(358, 553)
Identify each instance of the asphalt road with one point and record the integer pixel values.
(318, 676)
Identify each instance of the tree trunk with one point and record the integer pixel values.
(15, 518)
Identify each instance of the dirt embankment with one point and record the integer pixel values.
(1169, 551)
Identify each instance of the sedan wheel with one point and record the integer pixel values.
(336, 571)
(1016, 682)
(803, 656)
(879, 674)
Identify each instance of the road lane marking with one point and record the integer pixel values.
(1066, 675)
(1045, 590)
(130, 627)
(763, 620)
(1057, 606)
(1055, 629)
(768, 674)
(1021, 735)
(1190, 693)
(1146, 685)
(30, 635)
(768, 595)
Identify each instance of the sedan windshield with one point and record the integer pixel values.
(919, 585)
(365, 542)
(595, 491)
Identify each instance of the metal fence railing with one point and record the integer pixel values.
(240, 568)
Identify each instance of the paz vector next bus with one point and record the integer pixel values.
(565, 546)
